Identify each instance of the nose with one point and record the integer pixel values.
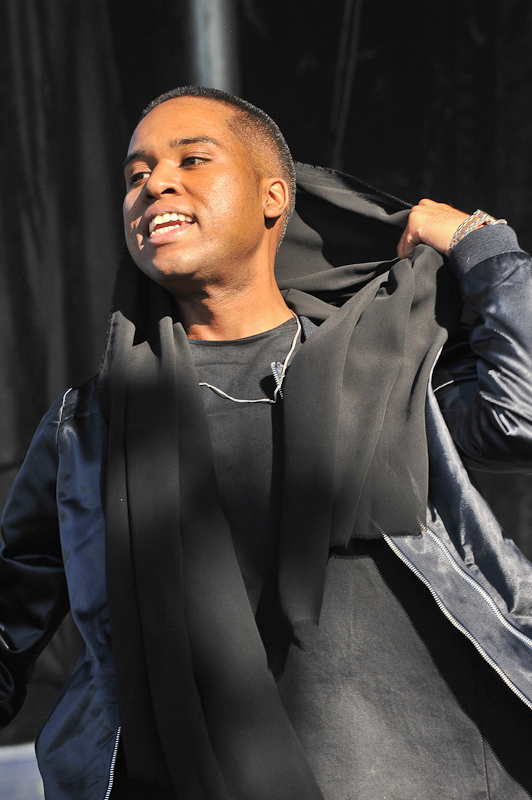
(163, 180)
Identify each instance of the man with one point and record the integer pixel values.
(277, 599)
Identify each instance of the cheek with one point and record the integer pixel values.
(234, 204)
(220, 196)
(127, 213)
(132, 219)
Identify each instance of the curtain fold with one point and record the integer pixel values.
(60, 152)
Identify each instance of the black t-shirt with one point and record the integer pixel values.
(247, 443)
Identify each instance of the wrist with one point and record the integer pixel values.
(482, 245)
(476, 220)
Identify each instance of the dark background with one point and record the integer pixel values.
(440, 106)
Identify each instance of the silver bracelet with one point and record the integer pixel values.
(473, 222)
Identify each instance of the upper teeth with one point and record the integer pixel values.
(160, 219)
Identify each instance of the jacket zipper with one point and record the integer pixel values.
(491, 605)
(113, 764)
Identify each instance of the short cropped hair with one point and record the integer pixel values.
(259, 133)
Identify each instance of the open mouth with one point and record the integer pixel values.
(164, 223)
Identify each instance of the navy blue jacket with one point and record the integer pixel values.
(478, 412)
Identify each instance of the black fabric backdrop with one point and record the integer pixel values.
(74, 77)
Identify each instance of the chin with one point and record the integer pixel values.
(176, 278)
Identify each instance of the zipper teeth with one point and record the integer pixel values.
(481, 591)
(459, 625)
(113, 764)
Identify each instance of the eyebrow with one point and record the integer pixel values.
(174, 144)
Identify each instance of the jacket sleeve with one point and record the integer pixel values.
(33, 591)
(483, 381)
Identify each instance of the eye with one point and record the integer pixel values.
(137, 177)
(193, 161)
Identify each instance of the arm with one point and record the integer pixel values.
(33, 592)
(483, 381)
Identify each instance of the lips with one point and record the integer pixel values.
(168, 222)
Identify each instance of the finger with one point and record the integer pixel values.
(425, 201)
(407, 244)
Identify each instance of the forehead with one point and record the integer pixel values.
(183, 118)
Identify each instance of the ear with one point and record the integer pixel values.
(276, 197)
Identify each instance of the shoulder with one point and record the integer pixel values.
(78, 402)
(81, 427)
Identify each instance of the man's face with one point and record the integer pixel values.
(193, 211)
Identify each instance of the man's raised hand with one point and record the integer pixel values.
(430, 223)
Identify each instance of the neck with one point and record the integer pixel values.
(221, 313)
